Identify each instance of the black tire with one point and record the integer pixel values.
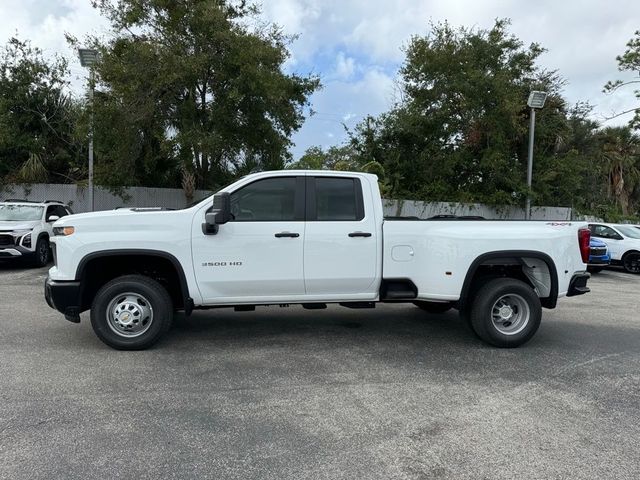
(42, 255)
(131, 294)
(464, 308)
(631, 262)
(508, 295)
(433, 307)
(595, 269)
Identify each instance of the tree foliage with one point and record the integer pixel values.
(190, 86)
(460, 131)
(37, 117)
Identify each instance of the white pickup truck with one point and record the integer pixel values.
(309, 238)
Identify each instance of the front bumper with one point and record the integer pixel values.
(14, 251)
(578, 284)
(65, 297)
(602, 260)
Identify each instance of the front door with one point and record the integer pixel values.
(258, 255)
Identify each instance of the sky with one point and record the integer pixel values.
(356, 46)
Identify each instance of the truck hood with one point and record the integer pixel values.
(130, 219)
(18, 225)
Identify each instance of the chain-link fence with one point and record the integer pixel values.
(77, 198)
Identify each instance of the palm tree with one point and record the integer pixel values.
(621, 156)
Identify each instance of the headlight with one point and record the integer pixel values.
(23, 237)
(63, 231)
(26, 241)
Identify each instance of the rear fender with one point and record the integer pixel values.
(531, 262)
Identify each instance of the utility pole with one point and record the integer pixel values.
(88, 58)
(536, 101)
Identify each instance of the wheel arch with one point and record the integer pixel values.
(633, 250)
(486, 259)
(88, 260)
(625, 255)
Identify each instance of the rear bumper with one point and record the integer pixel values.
(64, 297)
(578, 284)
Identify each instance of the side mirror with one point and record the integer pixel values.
(53, 218)
(220, 214)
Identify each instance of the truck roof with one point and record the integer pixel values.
(336, 173)
(16, 201)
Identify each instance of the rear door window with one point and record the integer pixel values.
(334, 199)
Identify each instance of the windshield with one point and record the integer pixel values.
(631, 232)
(20, 213)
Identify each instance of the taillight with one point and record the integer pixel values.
(584, 236)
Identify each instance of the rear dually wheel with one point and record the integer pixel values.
(505, 312)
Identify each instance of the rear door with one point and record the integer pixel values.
(340, 246)
(257, 255)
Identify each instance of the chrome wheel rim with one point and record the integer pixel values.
(129, 315)
(510, 314)
(632, 263)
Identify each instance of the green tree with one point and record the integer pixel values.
(37, 117)
(190, 85)
(570, 172)
(621, 159)
(460, 131)
(316, 158)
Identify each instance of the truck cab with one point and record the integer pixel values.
(292, 236)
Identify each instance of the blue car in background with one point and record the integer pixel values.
(598, 255)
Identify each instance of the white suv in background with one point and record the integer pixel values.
(25, 229)
(623, 242)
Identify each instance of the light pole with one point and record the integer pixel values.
(88, 58)
(535, 102)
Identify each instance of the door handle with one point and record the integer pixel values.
(359, 234)
(287, 234)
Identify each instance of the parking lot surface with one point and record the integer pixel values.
(285, 393)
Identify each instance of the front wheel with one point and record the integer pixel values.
(631, 262)
(506, 312)
(41, 255)
(131, 312)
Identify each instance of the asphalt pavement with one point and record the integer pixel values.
(286, 393)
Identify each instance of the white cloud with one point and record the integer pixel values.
(345, 66)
